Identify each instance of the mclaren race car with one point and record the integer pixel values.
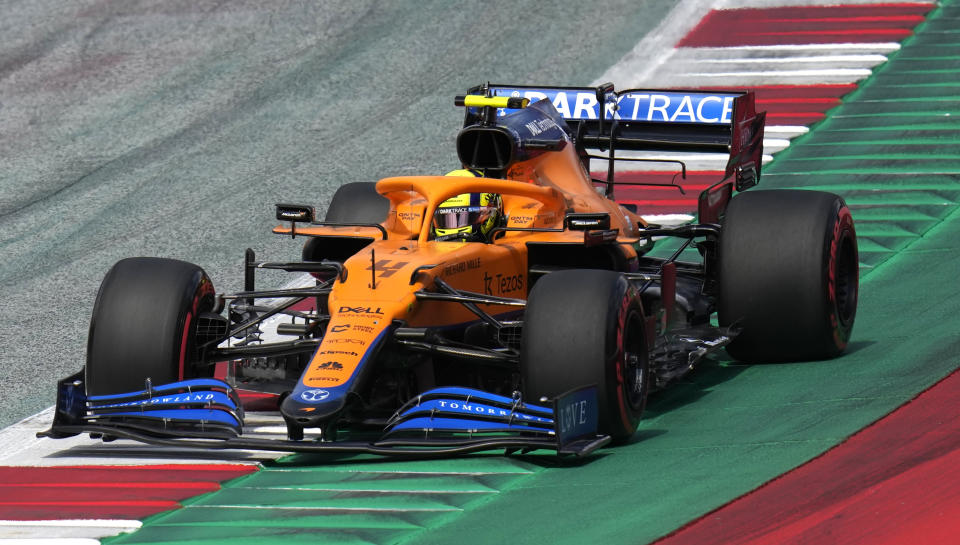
(513, 304)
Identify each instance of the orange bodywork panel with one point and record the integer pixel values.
(382, 279)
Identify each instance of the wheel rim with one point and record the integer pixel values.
(846, 281)
(634, 371)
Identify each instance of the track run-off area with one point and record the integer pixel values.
(862, 101)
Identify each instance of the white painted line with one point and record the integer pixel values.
(785, 129)
(669, 220)
(775, 143)
(63, 531)
(648, 61)
(869, 60)
(49, 541)
(75, 523)
(690, 159)
(26, 449)
(886, 46)
(851, 72)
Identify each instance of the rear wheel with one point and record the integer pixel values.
(144, 325)
(586, 327)
(788, 275)
(356, 202)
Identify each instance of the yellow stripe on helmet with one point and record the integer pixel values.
(465, 172)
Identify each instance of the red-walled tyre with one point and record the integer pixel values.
(144, 325)
(586, 327)
(788, 275)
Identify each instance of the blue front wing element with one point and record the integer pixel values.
(192, 408)
(446, 411)
(205, 413)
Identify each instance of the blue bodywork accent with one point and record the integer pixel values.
(631, 105)
(465, 410)
(208, 397)
(185, 416)
(192, 384)
(455, 425)
(577, 414)
(442, 421)
(474, 410)
(333, 401)
(465, 393)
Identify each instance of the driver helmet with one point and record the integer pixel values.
(468, 216)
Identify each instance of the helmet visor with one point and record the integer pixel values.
(461, 216)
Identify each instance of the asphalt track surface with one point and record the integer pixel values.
(170, 128)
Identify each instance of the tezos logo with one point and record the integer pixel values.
(314, 396)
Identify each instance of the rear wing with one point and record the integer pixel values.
(653, 120)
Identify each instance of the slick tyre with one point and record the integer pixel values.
(356, 202)
(586, 327)
(788, 275)
(144, 324)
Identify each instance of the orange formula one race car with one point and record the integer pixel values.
(512, 304)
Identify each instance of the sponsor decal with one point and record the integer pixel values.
(347, 341)
(408, 216)
(472, 408)
(463, 266)
(669, 107)
(332, 368)
(293, 215)
(538, 126)
(339, 328)
(314, 396)
(386, 268)
(576, 414)
(202, 397)
(500, 284)
(361, 310)
(523, 220)
(339, 352)
(573, 416)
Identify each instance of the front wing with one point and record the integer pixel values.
(206, 413)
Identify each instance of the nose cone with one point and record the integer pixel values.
(312, 407)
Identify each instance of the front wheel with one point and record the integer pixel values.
(586, 327)
(144, 325)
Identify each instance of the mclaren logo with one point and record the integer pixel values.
(314, 396)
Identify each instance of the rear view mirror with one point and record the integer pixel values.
(296, 212)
